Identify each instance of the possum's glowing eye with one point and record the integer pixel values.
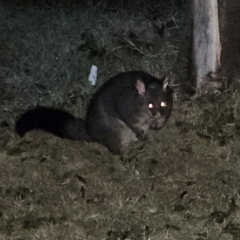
(163, 104)
(150, 105)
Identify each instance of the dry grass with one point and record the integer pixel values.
(183, 184)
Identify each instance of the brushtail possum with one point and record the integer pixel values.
(122, 111)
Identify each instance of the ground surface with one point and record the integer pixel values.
(182, 184)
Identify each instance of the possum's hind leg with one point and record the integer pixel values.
(114, 134)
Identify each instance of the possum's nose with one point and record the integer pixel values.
(158, 122)
(154, 125)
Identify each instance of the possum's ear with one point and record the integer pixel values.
(166, 82)
(140, 87)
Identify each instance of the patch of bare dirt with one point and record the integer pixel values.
(183, 184)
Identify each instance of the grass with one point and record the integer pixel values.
(54, 49)
(183, 184)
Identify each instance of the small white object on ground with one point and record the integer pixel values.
(93, 75)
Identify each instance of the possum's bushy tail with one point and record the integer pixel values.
(55, 121)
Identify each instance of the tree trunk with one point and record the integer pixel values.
(206, 48)
(204, 62)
